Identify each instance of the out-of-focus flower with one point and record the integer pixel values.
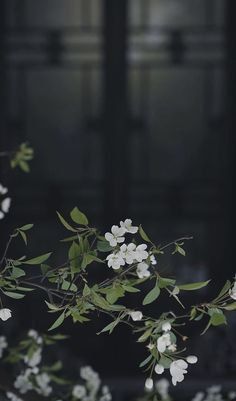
(5, 314)
(149, 383)
(78, 391)
(159, 369)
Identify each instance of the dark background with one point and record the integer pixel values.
(130, 107)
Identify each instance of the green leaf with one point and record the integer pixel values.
(104, 246)
(143, 234)
(165, 361)
(145, 336)
(165, 282)
(14, 295)
(114, 293)
(193, 286)
(78, 217)
(217, 317)
(145, 362)
(224, 290)
(26, 227)
(38, 260)
(58, 322)
(88, 258)
(23, 236)
(231, 306)
(129, 288)
(66, 285)
(152, 295)
(65, 224)
(86, 290)
(74, 254)
(17, 272)
(52, 307)
(110, 327)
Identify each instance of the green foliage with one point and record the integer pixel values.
(22, 156)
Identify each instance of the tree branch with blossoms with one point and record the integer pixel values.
(131, 260)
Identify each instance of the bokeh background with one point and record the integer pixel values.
(130, 106)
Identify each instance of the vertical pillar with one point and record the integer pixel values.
(115, 127)
(231, 128)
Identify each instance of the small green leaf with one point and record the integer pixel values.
(14, 295)
(224, 290)
(23, 236)
(104, 246)
(86, 290)
(78, 217)
(165, 282)
(58, 322)
(145, 336)
(65, 224)
(88, 258)
(38, 260)
(231, 306)
(193, 286)
(129, 288)
(74, 254)
(143, 234)
(110, 327)
(152, 295)
(145, 362)
(17, 272)
(26, 227)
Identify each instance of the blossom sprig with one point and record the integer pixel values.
(132, 262)
(32, 375)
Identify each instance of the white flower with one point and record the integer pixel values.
(87, 373)
(42, 381)
(5, 314)
(34, 359)
(149, 383)
(128, 252)
(166, 326)
(232, 395)
(177, 370)
(33, 333)
(163, 342)
(199, 396)
(127, 226)
(22, 382)
(142, 270)
(116, 235)
(141, 253)
(5, 205)
(79, 391)
(159, 369)
(214, 389)
(172, 348)
(136, 315)
(153, 260)
(115, 261)
(3, 190)
(12, 396)
(3, 344)
(192, 359)
(162, 387)
(232, 291)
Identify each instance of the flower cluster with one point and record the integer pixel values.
(166, 345)
(214, 393)
(127, 253)
(91, 389)
(5, 203)
(31, 377)
(36, 377)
